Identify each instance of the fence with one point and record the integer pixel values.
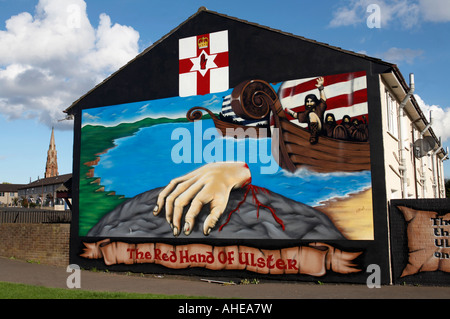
(34, 216)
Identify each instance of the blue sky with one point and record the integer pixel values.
(54, 51)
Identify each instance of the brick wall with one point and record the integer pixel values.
(44, 243)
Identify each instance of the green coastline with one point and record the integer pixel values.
(96, 140)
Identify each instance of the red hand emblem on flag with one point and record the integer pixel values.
(203, 62)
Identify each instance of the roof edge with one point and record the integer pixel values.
(417, 108)
(67, 110)
(204, 9)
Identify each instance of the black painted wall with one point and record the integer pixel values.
(254, 52)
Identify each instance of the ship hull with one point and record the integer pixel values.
(327, 155)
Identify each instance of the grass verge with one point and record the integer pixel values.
(21, 291)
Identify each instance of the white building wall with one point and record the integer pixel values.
(390, 145)
(7, 198)
(423, 176)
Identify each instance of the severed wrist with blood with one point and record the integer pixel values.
(254, 191)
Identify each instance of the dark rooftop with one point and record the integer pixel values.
(47, 181)
(10, 187)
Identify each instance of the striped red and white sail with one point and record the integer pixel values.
(346, 94)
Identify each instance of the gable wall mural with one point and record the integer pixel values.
(261, 177)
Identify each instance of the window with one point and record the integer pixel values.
(392, 114)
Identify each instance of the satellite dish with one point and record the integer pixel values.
(424, 145)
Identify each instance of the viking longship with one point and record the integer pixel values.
(254, 99)
(226, 128)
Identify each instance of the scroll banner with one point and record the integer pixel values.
(428, 241)
(315, 259)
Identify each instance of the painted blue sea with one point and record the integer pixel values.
(155, 155)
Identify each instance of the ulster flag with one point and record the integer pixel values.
(203, 62)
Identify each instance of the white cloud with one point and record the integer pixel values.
(435, 10)
(398, 55)
(355, 13)
(345, 16)
(404, 13)
(440, 118)
(114, 45)
(49, 59)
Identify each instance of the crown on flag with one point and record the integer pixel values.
(203, 42)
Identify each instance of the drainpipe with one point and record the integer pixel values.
(444, 159)
(435, 172)
(401, 115)
(422, 172)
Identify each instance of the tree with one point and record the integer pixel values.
(24, 202)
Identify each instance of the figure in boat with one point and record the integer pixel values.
(359, 131)
(329, 125)
(297, 147)
(314, 111)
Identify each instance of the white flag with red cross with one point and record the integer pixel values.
(203, 64)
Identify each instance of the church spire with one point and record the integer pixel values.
(51, 168)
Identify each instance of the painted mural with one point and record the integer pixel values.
(262, 160)
(164, 181)
(428, 241)
(420, 241)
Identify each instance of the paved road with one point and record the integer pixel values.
(51, 276)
